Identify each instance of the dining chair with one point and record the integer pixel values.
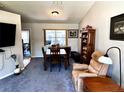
(68, 51)
(55, 57)
(45, 57)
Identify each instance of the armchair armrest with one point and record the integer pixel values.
(82, 75)
(77, 66)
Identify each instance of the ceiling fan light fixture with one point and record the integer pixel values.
(55, 13)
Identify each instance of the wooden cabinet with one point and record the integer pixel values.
(87, 45)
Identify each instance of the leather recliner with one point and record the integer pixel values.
(94, 69)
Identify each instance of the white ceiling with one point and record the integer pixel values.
(40, 11)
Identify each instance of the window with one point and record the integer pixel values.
(55, 37)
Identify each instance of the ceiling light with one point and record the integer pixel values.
(55, 13)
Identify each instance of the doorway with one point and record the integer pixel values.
(26, 43)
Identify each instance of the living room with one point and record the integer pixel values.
(76, 16)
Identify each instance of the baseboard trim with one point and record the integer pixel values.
(36, 56)
(6, 75)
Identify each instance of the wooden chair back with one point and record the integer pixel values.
(55, 53)
(55, 57)
(43, 51)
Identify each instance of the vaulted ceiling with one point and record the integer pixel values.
(40, 11)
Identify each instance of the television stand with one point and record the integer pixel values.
(1, 50)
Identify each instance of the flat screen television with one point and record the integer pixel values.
(7, 34)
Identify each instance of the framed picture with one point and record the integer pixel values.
(117, 27)
(73, 33)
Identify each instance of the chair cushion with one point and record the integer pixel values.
(103, 70)
(77, 66)
(95, 55)
(94, 66)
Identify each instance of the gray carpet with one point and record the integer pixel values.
(35, 79)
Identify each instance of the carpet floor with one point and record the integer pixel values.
(35, 79)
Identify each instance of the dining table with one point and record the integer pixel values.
(62, 53)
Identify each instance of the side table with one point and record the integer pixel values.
(100, 84)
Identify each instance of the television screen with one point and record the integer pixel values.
(7, 34)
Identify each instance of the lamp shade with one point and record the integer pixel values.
(105, 60)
